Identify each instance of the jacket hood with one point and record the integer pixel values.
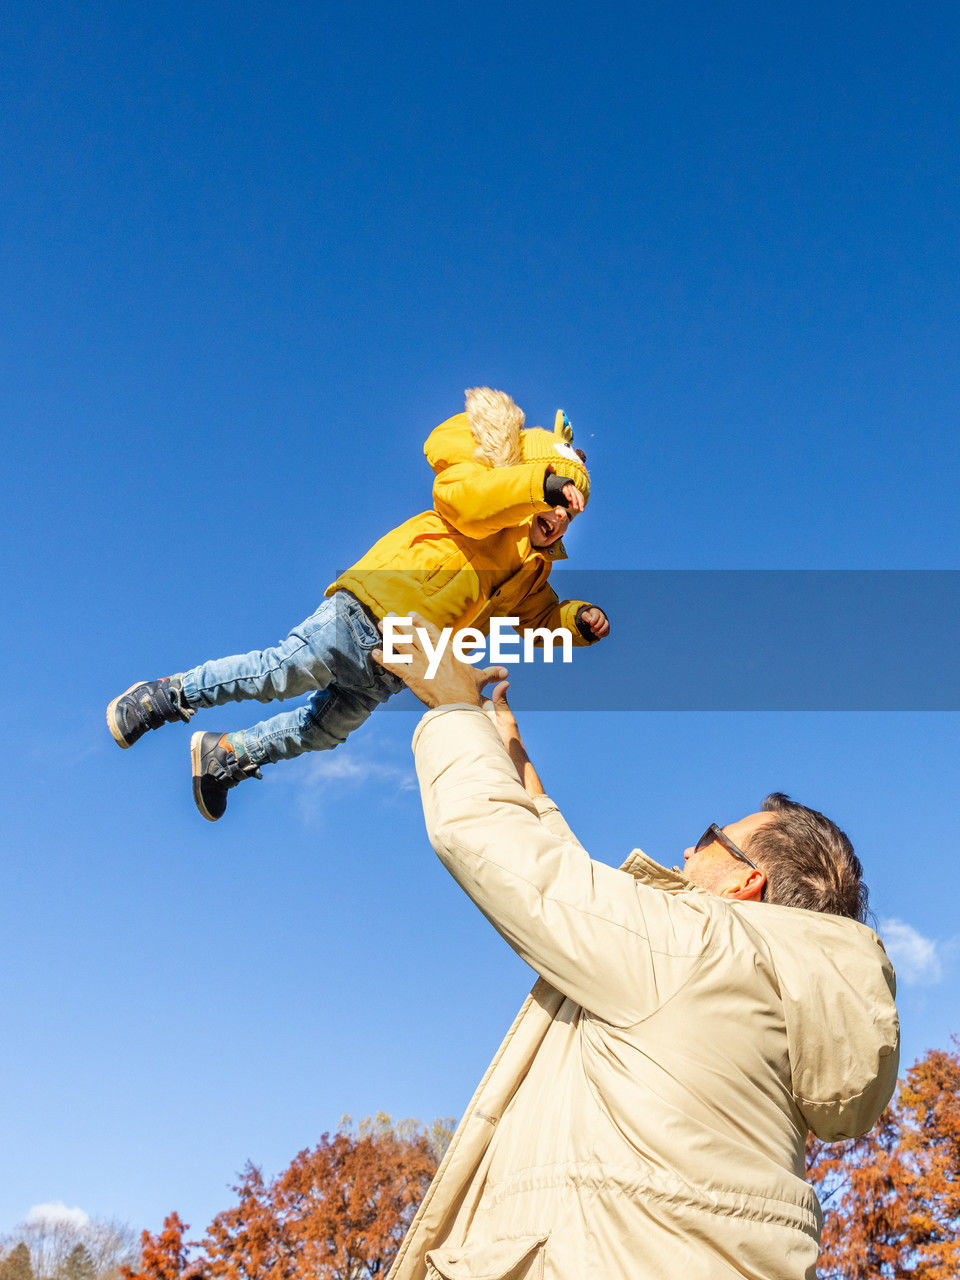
(837, 987)
(496, 423)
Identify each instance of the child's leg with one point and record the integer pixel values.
(219, 763)
(331, 653)
(332, 650)
(318, 725)
(332, 645)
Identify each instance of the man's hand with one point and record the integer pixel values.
(504, 721)
(596, 620)
(454, 681)
(500, 714)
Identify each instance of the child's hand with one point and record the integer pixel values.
(574, 497)
(596, 620)
(554, 486)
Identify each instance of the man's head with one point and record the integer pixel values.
(802, 860)
(712, 863)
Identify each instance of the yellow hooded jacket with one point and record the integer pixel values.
(470, 558)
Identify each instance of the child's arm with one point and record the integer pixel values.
(479, 499)
(542, 608)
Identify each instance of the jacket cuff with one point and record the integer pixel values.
(436, 712)
(538, 484)
(569, 610)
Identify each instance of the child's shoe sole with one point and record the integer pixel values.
(216, 768)
(146, 705)
(115, 730)
(197, 768)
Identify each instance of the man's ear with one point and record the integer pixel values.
(750, 888)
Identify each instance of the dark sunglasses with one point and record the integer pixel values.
(713, 832)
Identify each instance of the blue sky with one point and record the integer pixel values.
(249, 259)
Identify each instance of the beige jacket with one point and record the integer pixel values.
(646, 1114)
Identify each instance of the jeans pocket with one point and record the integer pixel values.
(358, 635)
(514, 1258)
(365, 633)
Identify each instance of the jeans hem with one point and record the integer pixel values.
(189, 691)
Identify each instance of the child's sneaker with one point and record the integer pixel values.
(146, 705)
(217, 768)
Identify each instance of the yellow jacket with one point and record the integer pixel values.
(470, 558)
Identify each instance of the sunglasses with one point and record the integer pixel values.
(713, 832)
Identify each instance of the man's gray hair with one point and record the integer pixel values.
(809, 862)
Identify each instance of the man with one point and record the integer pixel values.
(646, 1115)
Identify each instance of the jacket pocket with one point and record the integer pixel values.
(518, 1258)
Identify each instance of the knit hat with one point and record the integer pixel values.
(556, 447)
(497, 425)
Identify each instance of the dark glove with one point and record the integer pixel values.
(582, 627)
(553, 490)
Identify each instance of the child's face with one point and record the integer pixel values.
(550, 526)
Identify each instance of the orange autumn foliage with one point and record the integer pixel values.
(163, 1256)
(891, 1199)
(337, 1212)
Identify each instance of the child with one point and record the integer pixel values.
(502, 499)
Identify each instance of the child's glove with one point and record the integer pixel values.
(553, 491)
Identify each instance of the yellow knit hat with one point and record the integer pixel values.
(556, 446)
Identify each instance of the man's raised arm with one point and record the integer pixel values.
(590, 930)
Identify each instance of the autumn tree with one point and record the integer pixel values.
(72, 1246)
(929, 1104)
(164, 1256)
(16, 1264)
(860, 1186)
(891, 1199)
(338, 1212)
(78, 1264)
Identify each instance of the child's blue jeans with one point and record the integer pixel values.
(328, 653)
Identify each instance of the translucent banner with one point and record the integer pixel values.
(739, 640)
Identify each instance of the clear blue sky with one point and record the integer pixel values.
(250, 255)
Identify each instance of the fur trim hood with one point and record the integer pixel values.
(496, 421)
(497, 426)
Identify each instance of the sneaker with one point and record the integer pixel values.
(217, 768)
(146, 705)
